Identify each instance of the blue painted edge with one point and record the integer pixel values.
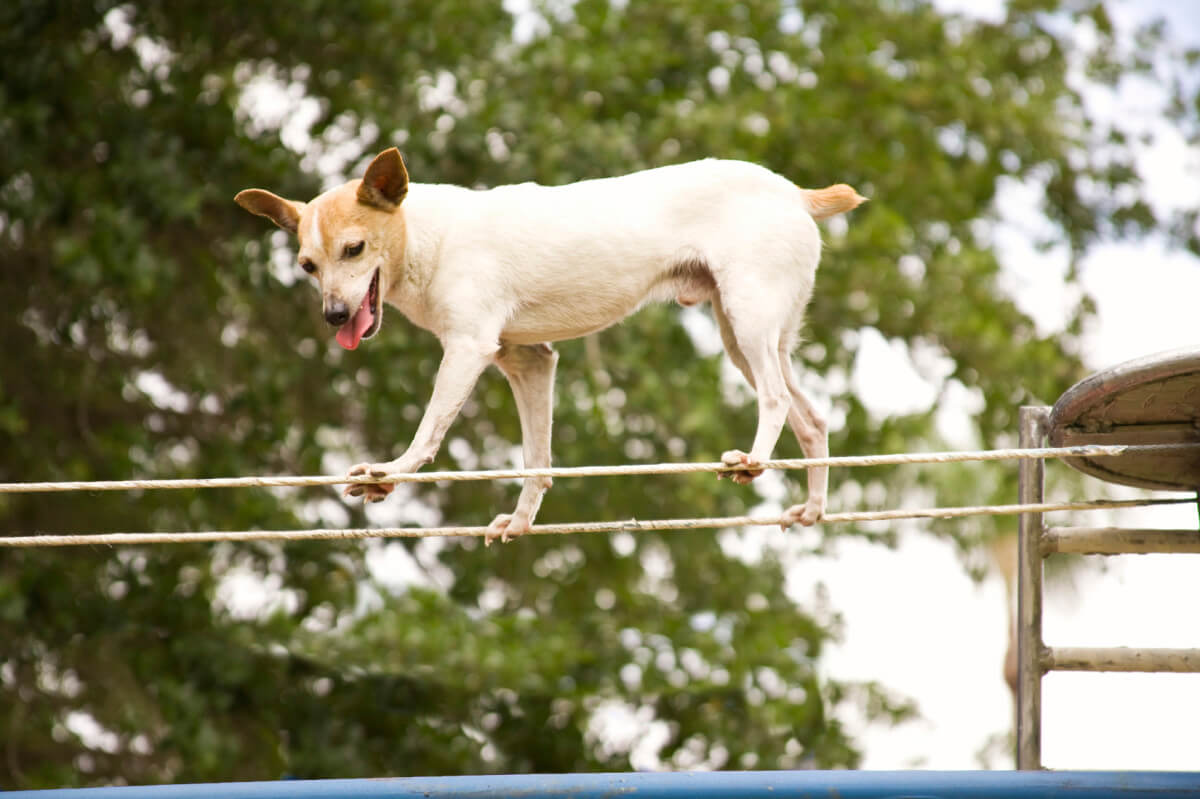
(686, 785)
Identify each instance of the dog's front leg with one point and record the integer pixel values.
(530, 372)
(462, 362)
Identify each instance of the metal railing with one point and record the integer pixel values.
(1035, 659)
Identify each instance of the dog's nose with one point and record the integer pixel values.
(336, 313)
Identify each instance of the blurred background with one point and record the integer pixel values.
(1034, 185)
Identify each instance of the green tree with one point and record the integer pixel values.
(151, 328)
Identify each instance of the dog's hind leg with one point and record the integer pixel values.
(812, 433)
(807, 425)
(734, 351)
(530, 372)
(751, 343)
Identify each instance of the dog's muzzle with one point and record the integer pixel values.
(355, 325)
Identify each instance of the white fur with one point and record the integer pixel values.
(314, 230)
(539, 264)
(497, 274)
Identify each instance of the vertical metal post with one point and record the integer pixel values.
(1031, 482)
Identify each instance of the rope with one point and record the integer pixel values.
(1090, 451)
(631, 525)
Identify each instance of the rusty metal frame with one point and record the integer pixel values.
(1090, 413)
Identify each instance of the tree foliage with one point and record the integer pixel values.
(153, 329)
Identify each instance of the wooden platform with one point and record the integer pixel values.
(1151, 400)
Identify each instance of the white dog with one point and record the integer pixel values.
(497, 274)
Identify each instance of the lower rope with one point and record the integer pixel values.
(631, 525)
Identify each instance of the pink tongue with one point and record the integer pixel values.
(351, 333)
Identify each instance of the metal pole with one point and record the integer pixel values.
(1031, 482)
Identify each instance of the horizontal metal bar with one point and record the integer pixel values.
(1118, 541)
(689, 785)
(1121, 658)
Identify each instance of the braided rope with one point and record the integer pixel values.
(631, 525)
(1042, 453)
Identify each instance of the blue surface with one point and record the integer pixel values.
(687, 785)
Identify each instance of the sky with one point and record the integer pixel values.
(912, 617)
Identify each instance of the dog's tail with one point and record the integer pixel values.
(831, 200)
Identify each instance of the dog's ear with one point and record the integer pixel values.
(284, 213)
(385, 182)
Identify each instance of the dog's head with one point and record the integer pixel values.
(348, 237)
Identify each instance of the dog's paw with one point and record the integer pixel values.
(370, 492)
(735, 457)
(805, 515)
(506, 527)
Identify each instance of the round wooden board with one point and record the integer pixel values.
(1151, 400)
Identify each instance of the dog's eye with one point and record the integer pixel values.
(308, 266)
(352, 250)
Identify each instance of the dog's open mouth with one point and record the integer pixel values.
(365, 322)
